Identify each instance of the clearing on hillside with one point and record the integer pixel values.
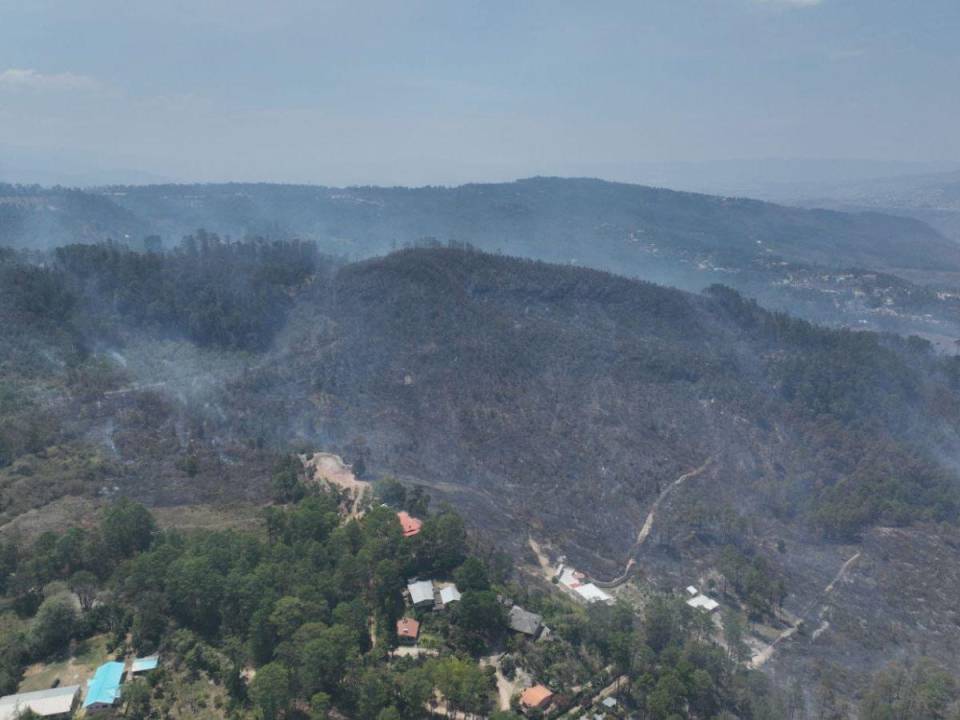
(74, 671)
(330, 469)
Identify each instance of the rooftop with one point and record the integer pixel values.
(104, 687)
(411, 525)
(56, 701)
(536, 696)
(145, 663)
(591, 593)
(524, 621)
(408, 628)
(421, 591)
(449, 594)
(703, 602)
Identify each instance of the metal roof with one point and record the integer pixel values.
(421, 591)
(145, 663)
(704, 603)
(449, 594)
(55, 701)
(104, 687)
(591, 593)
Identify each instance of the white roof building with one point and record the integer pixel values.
(421, 592)
(570, 577)
(144, 664)
(45, 703)
(692, 591)
(702, 602)
(449, 594)
(591, 593)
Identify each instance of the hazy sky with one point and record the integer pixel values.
(419, 92)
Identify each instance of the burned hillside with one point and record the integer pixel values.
(542, 401)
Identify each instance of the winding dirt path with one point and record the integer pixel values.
(764, 655)
(651, 516)
(506, 688)
(842, 572)
(647, 527)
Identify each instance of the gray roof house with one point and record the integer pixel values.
(56, 702)
(523, 621)
(421, 593)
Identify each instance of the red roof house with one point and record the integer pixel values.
(411, 525)
(536, 697)
(407, 630)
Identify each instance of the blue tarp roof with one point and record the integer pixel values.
(145, 663)
(104, 687)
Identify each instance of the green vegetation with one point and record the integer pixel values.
(524, 390)
(302, 621)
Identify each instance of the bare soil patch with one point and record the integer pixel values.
(327, 468)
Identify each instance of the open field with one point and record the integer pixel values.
(240, 516)
(73, 671)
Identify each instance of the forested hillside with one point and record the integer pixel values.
(845, 269)
(481, 363)
(545, 402)
(593, 222)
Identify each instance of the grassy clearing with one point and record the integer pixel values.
(242, 516)
(74, 671)
(64, 512)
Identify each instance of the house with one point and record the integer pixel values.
(609, 703)
(537, 697)
(103, 689)
(411, 525)
(144, 664)
(692, 591)
(408, 630)
(702, 602)
(449, 594)
(421, 593)
(54, 703)
(523, 621)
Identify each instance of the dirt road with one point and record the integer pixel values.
(506, 688)
(647, 527)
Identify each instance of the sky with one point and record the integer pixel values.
(451, 91)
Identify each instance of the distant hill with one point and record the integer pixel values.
(43, 218)
(933, 198)
(592, 222)
(820, 264)
(587, 221)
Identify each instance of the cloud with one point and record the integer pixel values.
(28, 79)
